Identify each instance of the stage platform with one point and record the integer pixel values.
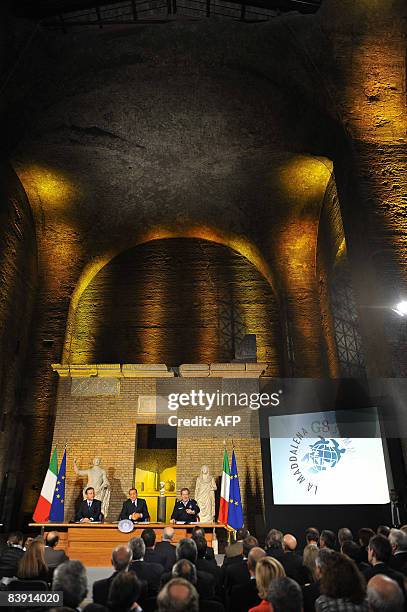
(93, 543)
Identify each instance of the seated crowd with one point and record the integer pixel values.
(333, 573)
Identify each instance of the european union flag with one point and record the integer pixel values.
(235, 514)
(56, 514)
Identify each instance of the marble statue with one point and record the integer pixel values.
(205, 495)
(97, 479)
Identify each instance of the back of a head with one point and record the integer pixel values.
(341, 579)
(311, 534)
(249, 543)
(121, 557)
(138, 548)
(285, 595)
(124, 591)
(70, 578)
(241, 534)
(178, 595)
(168, 534)
(381, 548)
(323, 557)
(351, 550)
(52, 539)
(254, 555)
(274, 539)
(267, 568)
(198, 532)
(383, 530)
(185, 569)
(148, 535)
(309, 556)
(186, 549)
(344, 535)
(364, 536)
(327, 539)
(32, 564)
(289, 542)
(15, 538)
(384, 595)
(398, 539)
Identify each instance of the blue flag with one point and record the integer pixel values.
(56, 514)
(235, 514)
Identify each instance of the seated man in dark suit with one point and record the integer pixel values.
(90, 509)
(244, 596)
(11, 555)
(121, 557)
(186, 549)
(52, 556)
(379, 556)
(151, 555)
(238, 573)
(134, 508)
(398, 543)
(150, 572)
(292, 563)
(186, 510)
(166, 548)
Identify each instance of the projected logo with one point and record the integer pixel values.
(323, 454)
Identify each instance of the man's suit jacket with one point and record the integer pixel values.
(100, 590)
(54, 557)
(236, 573)
(93, 513)
(153, 556)
(294, 567)
(399, 562)
(129, 507)
(179, 513)
(244, 596)
(382, 568)
(9, 560)
(150, 572)
(167, 550)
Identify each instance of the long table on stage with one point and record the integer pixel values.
(93, 543)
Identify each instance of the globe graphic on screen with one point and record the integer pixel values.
(324, 453)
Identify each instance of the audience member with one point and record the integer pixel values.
(149, 572)
(124, 593)
(70, 578)
(166, 548)
(364, 536)
(274, 544)
(327, 539)
(151, 555)
(185, 569)
(267, 568)
(199, 532)
(32, 564)
(285, 595)
(244, 595)
(383, 530)
(398, 543)
(235, 551)
(342, 586)
(178, 595)
(379, 556)
(292, 563)
(12, 555)
(238, 573)
(384, 595)
(308, 558)
(121, 557)
(52, 556)
(311, 591)
(204, 564)
(344, 535)
(353, 551)
(187, 549)
(312, 536)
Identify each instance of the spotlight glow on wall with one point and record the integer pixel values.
(401, 308)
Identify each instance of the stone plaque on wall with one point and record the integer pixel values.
(87, 387)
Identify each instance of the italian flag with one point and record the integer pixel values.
(43, 507)
(224, 491)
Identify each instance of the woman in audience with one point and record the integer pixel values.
(308, 558)
(342, 586)
(267, 568)
(124, 592)
(32, 565)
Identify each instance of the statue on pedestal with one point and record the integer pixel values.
(97, 479)
(205, 495)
